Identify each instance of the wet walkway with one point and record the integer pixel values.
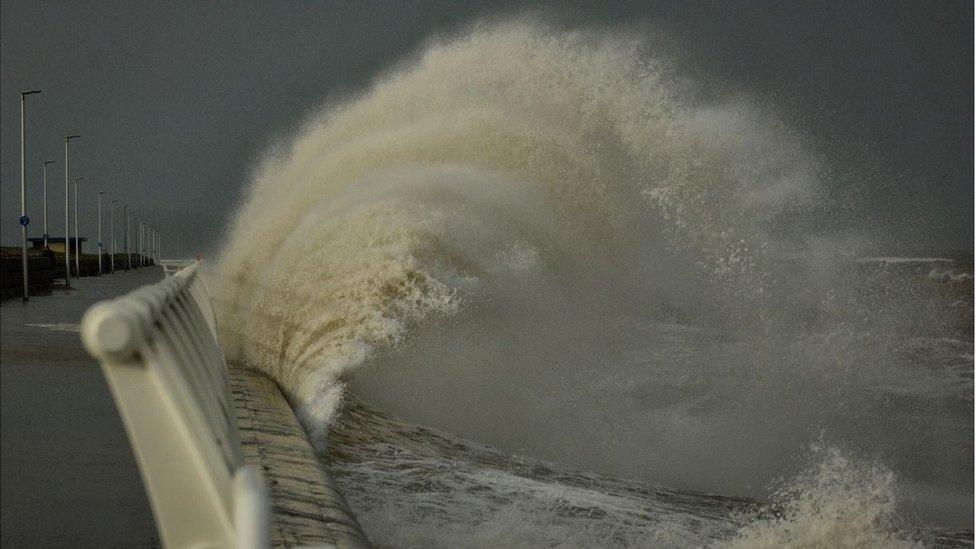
(67, 475)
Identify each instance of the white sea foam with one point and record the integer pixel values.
(415, 487)
(892, 259)
(837, 503)
(949, 276)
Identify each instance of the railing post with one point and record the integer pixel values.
(252, 512)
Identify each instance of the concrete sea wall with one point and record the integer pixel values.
(306, 506)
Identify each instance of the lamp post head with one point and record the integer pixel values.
(46, 162)
(77, 179)
(31, 92)
(67, 137)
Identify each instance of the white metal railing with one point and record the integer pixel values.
(173, 266)
(160, 352)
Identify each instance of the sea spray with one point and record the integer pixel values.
(838, 502)
(579, 125)
(535, 239)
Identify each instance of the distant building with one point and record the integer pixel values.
(57, 244)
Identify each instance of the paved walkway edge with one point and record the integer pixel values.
(306, 506)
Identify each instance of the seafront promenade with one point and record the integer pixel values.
(68, 475)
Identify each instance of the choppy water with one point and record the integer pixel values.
(547, 242)
(412, 486)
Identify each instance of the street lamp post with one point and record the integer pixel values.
(125, 236)
(135, 239)
(112, 231)
(67, 240)
(45, 201)
(24, 220)
(77, 240)
(100, 193)
(139, 250)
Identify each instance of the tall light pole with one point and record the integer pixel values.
(77, 241)
(140, 252)
(67, 210)
(24, 220)
(135, 237)
(142, 243)
(45, 200)
(112, 231)
(125, 236)
(100, 193)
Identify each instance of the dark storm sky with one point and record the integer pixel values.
(175, 100)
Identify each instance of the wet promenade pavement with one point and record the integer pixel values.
(67, 475)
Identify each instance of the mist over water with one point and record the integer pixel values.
(537, 240)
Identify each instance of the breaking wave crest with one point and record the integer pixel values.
(507, 154)
(837, 502)
(544, 240)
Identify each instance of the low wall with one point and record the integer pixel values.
(41, 274)
(89, 264)
(43, 271)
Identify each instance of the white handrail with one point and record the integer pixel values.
(173, 266)
(160, 352)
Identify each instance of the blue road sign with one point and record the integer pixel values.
(24, 220)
